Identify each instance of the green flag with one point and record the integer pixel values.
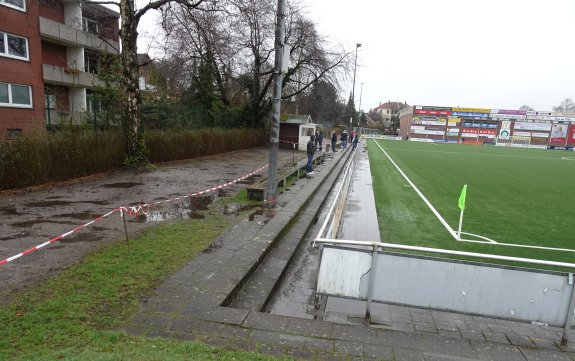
(462, 197)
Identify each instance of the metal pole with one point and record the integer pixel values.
(370, 286)
(357, 46)
(271, 196)
(360, 94)
(569, 319)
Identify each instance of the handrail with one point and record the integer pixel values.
(445, 251)
(328, 217)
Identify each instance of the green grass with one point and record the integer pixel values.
(519, 196)
(76, 315)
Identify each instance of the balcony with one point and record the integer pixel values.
(65, 35)
(69, 77)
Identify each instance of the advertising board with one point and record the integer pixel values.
(532, 126)
(559, 132)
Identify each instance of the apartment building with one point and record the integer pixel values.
(50, 53)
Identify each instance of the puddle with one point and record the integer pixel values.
(15, 235)
(48, 203)
(31, 223)
(254, 214)
(79, 215)
(62, 203)
(236, 208)
(186, 209)
(82, 237)
(121, 185)
(9, 210)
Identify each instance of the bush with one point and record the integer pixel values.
(37, 159)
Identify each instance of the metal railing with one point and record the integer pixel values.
(331, 225)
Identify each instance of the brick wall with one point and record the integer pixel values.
(54, 54)
(23, 72)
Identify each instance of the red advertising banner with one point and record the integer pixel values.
(488, 131)
(432, 112)
(469, 131)
(571, 137)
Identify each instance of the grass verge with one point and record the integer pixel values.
(76, 314)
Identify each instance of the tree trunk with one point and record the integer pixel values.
(133, 126)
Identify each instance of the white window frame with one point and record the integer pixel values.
(12, 105)
(7, 54)
(86, 22)
(23, 9)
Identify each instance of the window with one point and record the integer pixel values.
(13, 133)
(91, 63)
(14, 95)
(16, 4)
(13, 46)
(89, 25)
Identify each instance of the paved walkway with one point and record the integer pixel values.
(191, 304)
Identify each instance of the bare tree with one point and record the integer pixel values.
(567, 106)
(240, 35)
(526, 108)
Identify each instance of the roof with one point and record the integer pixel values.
(296, 119)
(391, 106)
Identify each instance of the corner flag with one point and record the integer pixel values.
(462, 197)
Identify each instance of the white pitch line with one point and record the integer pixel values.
(441, 219)
(448, 227)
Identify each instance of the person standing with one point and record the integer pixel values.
(310, 152)
(355, 140)
(343, 139)
(333, 141)
(316, 142)
(320, 140)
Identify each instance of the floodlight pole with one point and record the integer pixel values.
(357, 46)
(271, 196)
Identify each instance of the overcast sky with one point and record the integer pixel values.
(490, 53)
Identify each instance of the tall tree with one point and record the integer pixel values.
(240, 34)
(130, 19)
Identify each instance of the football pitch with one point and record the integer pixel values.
(520, 202)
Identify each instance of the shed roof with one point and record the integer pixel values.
(297, 119)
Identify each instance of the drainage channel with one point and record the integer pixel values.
(260, 288)
(295, 295)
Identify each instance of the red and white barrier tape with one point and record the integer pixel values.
(135, 210)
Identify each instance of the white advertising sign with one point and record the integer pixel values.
(540, 135)
(522, 134)
(433, 122)
(532, 126)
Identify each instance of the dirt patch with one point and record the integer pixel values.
(34, 215)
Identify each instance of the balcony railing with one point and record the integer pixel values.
(70, 77)
(67, 35)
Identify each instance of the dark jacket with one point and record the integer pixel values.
(343, 137)
(334, 137)
(310, 147)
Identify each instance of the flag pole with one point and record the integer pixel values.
(461, 205)
(460, 225)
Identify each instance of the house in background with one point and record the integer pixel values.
(389, 110)
(50, 53)
(295, 129)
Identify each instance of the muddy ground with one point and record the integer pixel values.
(33, 216)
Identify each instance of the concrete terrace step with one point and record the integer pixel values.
(187, 306)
